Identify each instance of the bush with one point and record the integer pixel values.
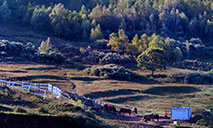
(100, 44)
(211, 73)
(97, 57)
(77, 103)
(82, 50)
(52, 58)
(207, 117)
(69, 51)
(20, 110)
(195, 65)
(17, 49)
(191, 78)
(43, 110)
(196, 41)
(112, 71)
(61, 107)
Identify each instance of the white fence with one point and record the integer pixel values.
(33, 88)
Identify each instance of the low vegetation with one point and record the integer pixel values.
(191, 78)
(28, 51)
(20, 110)
(114, 72)
(151, 54)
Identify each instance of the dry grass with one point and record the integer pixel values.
(119, 93)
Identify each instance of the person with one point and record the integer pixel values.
(166, 114)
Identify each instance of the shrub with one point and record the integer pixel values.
(42, 110)
(112, 71)
(97, 57)
(61, 107)
(68, 50)
(82, 50)
(77, 103)
(191, 78)
(100, 44)
(20, 109)
(211, 73)
(17, 49)
(207, 117)
(195, 65)
(50, 58)
(196, 41)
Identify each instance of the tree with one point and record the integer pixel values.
(137, 47)
(5, 12)
(209, 30)
(40, 19)
(114, 42)
(173, 53)
(187, 48)
(123, 39)
(152, 59)
(144, 42)
(96, 33)
(46, 46)
(156, 42)
(58, 17)
(119, 43)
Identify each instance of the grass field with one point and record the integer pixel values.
(148, 98)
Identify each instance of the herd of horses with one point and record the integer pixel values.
(123, 111)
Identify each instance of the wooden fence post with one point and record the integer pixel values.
(29, 88)
(44, 94)
(12, 85)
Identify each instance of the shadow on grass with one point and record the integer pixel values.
(171, 90)
(14, 71)
(124, 99)
(85, 78)
(42, 68)
(75, 66)
(25, 78)
(2, 108)
(110, 93)
(157, 76)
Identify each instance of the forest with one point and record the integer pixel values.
(83, 20)
(106, 63)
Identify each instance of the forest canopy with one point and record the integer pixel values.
(77, 19)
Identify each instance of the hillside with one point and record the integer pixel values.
(105, 63)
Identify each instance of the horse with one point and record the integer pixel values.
(110, 108)
(151, 117)
(134, 110)
(125, 110)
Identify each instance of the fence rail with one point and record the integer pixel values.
(33, 88)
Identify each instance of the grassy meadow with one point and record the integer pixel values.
(148, 98)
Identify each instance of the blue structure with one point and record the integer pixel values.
(181, 113)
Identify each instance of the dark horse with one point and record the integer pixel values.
(125, 110)
(110, 108)
(151, 117)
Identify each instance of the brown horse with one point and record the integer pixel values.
(110, 108)
(125, 110)
(151, 117)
